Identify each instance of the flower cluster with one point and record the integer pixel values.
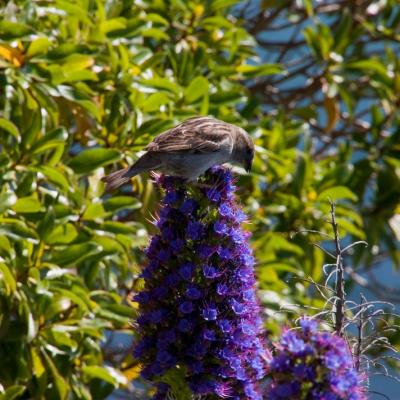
(198, 308)
(313, 365)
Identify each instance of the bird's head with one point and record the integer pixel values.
(243, 151)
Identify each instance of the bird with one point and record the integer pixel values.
(188, 150)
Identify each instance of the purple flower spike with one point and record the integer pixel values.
(210, 313)
(210, 272)
(186, 307)
(220, 227)
(198, 309)
(313, 365)
(193, 292)
(188, 206)
(194, 230)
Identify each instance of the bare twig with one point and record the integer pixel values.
(339, 287)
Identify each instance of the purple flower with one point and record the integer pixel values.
(198, 310)
(292, 342)
(210, 272)
(214, 195)
(309, 325)
(209, 334)
(188, 206)
(171, 197)
(185, 326)
(176, 245)
(224, 325)
(226, 210)
(186, 307)
(193, 292)
(205, 251)
(156, 316)
(222, 289)
(210, 313)
(186, 271)
(164, 255)
(316, 364)
(194, 230)
(220, 228)
(237, 307)
(172, 280)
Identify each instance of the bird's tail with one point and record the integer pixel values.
(116, 179)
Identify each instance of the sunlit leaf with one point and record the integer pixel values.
(90, 159)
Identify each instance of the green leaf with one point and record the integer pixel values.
(75, 10)
(81, 302)
(162, 83)
(95, 371)
(93, 212)
(13, 392)
(13, 30)
(90, 159)
(30, 324)
(17, 230)
(60, 383)
(337, 192)
(27, 205)
(53, 175)
(154, 102)
(7, 200)
(155, 33)
(114, 24)
(117, 203)
(196, 89)
(345, 224)
(369, 65)
(46, 225)
(7, 278)
(118, 227)
(50, 140)
(218, 4)
(157, 18)
(60, 339)
(63, 234)
(175, 377)
(75, 253)
(38, 46)
(260, 70)
(9, 127)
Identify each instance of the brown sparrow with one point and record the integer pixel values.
(190, 149)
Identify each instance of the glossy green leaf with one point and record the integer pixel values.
(13, 392)
(75, 253)
(9, 127)
(95, 371)
(7, 200)
(197, 88)
(155, 101)
(50, 141)
(337, 192)
(90, 159)
(13, 30)
(38, 46)
(218, 4)
(117, 203)
(27, 205)
(7, 279)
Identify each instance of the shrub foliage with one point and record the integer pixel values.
(85, 84)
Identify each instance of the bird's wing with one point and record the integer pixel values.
(195, 135)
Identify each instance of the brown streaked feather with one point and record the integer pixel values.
(197, 135)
